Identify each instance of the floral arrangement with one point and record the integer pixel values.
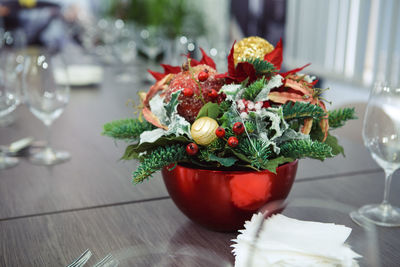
(252, 117)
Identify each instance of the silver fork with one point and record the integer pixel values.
(108, 261)
(82, 259)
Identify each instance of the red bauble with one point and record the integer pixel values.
(213, 93)
(238, 128)
(220, 132)
(188, 92)
(189, 107)
(233, 141)
(192, 149)
(203, 76)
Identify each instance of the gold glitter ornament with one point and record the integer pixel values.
(251, 47)
(203, 130)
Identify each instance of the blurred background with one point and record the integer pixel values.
(351, 44)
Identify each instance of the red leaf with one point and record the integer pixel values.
(207, 60)
(231, 62)
(284, 74)
(275, 56)
(171, 69)
(221, 75)
(245, 70)
(167, 70)
(157, 75)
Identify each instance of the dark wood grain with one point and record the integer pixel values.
(54, 240)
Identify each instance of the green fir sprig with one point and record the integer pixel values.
(157, 159)
(129, 129)
(306, 148)
(299, 110)
(251, 92)
(261, 66)
(256, 151)
(338, 117)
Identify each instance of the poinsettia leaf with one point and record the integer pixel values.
(226, 162)
(133, 151)
(245, 70)
(210, 109)
(275, 56)
(284, 74)
(157, 75)
(231, 61)
(272, 164)
(207, 60)
(171, 69)
(221, 75)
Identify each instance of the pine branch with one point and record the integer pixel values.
(261, 67)
(338, 117)
(254, 89)
(306, 148)
(256, 151)
(126, 129)
(300, 110)
(157, 159)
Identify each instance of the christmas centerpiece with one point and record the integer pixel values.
(227, 143)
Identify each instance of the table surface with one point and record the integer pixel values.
(49, 215)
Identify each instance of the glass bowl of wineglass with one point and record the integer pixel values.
(47, 94)
(9, 97)
(381, 135)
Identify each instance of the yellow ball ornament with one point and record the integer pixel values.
(203, 130)
(251, 47)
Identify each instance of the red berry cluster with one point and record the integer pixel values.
(233, 141)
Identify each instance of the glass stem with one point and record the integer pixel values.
(48, 137)
(388, 180)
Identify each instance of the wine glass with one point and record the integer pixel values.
(9, 98)
(47, 94)
(381, 134)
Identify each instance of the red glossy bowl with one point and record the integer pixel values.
(224, 200)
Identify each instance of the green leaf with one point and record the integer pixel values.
(227, 162)
(272, 164)
(334, 144)
(133, 151)
(171, 107)
(210, 109)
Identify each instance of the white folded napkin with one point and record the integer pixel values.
(284, 241)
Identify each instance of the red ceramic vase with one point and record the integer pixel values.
(224, 200)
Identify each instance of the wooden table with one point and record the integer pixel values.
(49, 215)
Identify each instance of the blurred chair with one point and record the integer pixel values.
(40, 23)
